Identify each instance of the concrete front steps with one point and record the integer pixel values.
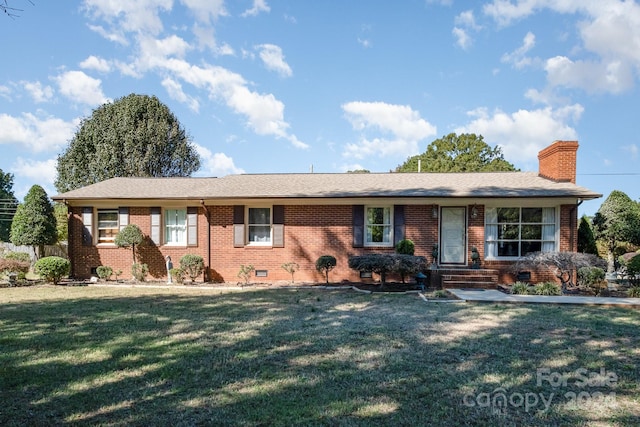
(465, 278)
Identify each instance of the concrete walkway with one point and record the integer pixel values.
(490, 295)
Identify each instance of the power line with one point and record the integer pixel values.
(611, 174)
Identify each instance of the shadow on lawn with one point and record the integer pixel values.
(308, 358)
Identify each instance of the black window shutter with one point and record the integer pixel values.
(278, 226)
(358, 225)
(398, 223)
(238, 226)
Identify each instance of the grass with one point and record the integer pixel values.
(143, 356)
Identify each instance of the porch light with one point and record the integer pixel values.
(434, 211)
(474, 212)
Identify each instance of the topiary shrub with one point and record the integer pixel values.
(405, 247)
(177, 274)
(325, 264)
(129, 236)
(192, 265)
(547, 288)
(139, 272)
(52, 268)
(104, 272)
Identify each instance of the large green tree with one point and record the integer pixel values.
(34, 223)
(458, 153)
(134, 136)
(8, 203)
(617, 221)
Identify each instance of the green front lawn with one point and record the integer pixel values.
(144, 356)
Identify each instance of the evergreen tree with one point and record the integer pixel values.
(586, 240)
(34, 223)
(8, 203)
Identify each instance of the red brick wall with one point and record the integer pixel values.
(310, 232)
(558, 161)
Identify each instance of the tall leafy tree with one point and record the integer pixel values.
(34, 223)
(8, 203)
(586, 239)
(458, 153)
(617, 221)
(134, 136)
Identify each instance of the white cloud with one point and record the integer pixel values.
(273, 59)
(524, 133)
(608, 29)
(205, 38)
(153, 52)
(215, 164)
(632, 149)
(96, 63)
(37, 133)
(364, 42)
(462, 38)
(174, 89)
(43, 172)
(141, 16)
(467, 19)
(38, 92)
(258, 6)
(518, 58)
(80, 88)
(206, 10)
(116, 35)
(614, 77)
(5, 92)
(404, 125)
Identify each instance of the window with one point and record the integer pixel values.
(378, 226)
(107, 225)
(515, 232)
(259, 226)
(175, 226)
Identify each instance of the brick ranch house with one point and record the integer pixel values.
(266, 220)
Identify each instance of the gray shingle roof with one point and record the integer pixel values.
(338, 185)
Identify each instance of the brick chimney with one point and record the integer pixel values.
(558, 161)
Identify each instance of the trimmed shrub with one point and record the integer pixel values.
(177, 274)
(192, 265)
(547, 288)
(520, 288)
(245, 272)
(139, 272)
(129, 236)
(52, 268)
(325, 264)
(633, 270)
(380, 264)
(405, 247)
(408, 264)
(104, 272)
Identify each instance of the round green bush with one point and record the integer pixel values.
(405, 247)
(104, 272)
(325, 264)
(52, 268)
(520, 288)
(192, 265)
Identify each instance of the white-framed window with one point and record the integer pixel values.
(512, 232)
(378, 225)
(108, 225)
(175, 226)
(259, 226)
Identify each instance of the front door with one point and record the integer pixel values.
(453, 236)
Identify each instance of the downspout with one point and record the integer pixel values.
(208, 268)
(574, 226)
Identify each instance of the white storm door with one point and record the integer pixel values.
(453, 240)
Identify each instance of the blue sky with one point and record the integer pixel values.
(267, 86)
